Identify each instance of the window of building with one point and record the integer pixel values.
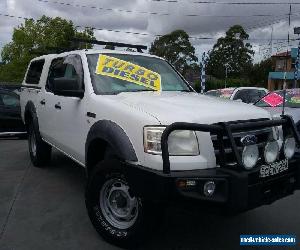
(280, 65)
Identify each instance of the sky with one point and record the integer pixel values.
(152, 17)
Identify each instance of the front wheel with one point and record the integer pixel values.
(119, 216)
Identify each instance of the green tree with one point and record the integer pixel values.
(232, 52)
(258, 74)
(33, 38)
(176, 49)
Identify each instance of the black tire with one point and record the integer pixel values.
(144, 221)
(40, 151)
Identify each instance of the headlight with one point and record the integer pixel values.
(180, 142)
(152, 137)
(183, 142)
(271, 151)
(250, 156)
(289, 147)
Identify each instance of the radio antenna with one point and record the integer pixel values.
(287, 54)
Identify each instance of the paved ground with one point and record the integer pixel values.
(44, 209)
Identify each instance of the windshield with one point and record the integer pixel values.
(223, 93)
(116, 80)
(275, 99)
(249, 95)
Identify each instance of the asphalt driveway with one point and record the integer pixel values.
(44, 209)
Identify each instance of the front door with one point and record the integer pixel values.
(67, 115)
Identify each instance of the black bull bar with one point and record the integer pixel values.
(226, 129)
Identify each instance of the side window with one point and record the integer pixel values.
(242, 95)
(9, 101)
(249, 95)
(69, 67)
(35, 72)
(255, 95)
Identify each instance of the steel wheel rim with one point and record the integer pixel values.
(118, 207)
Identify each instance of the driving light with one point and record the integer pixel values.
(271, 151)
(180, 142)
(289, 147)
(209, 188)
(250, 156)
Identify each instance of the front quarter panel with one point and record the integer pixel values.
(128, 120)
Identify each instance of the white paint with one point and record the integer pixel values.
(67, 128)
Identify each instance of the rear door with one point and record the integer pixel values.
(31, 88)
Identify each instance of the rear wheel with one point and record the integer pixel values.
(40, 151)
(118, 215)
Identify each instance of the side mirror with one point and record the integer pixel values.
(67, 87)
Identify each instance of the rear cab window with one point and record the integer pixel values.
(34, 72)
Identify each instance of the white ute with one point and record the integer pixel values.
(146, 138)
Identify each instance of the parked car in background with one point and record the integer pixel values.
(12, 87)
(273, 102)
(244, 94)
(11, 123)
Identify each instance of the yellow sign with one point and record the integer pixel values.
(117, 68)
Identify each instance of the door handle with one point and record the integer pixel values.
(57, 106)
(43, 102)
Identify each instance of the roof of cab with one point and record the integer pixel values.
(94, 51)
(108, 51)
(44, 57)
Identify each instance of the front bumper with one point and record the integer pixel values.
(235, 191)
(236, 188)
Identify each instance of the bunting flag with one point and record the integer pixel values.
(202, 73)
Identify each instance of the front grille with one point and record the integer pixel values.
(262, 135)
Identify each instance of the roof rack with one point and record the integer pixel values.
(50, 50)
(139, 48)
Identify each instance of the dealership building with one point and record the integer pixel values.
(284, 68)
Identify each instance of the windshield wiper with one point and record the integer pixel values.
(140, 90)
(185, 90)
(133, 90)
(146, 90)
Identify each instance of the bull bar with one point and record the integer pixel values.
(225, 129)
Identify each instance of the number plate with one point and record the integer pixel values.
(273, 169)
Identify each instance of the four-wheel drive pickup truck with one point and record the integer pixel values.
(146, 138)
